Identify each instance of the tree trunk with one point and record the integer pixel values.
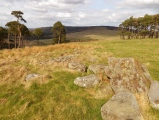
(38, 40)
(26, 41)
(15, 40)
(22, 41)
(20, 35)
(9, 40)
(59, 39)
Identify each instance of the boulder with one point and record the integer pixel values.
(77, 66)
(100, 70)
(31, 76)
(97, 69)
(154, 94)
(127, 74)
(87, 81)
(122, 106)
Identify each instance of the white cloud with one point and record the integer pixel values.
(39, 13)
(81, 15)
(65, 15)
(74, 1)
(139, 4)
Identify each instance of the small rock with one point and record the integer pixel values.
(97, 68)
(122, 106)
(77, 66)
(154, 94)
(31, 76)
(87, 81)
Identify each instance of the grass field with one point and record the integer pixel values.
(92, 34)
(54, 96)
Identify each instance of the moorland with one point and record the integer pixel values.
(54, 95)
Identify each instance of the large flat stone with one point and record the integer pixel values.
(122, 106)
(127, 74)
(87, 81)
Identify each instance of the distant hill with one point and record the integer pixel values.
(79, 31)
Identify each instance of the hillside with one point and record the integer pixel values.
(83, 32)
(92, 33)
(53, 95)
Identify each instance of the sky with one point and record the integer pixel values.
(44, 13)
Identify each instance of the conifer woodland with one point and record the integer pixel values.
(141, 27)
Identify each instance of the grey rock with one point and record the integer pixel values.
(107, 72)
(87, 81)
(154, 94)
(31, 76)
(122, 106)
(77, 66)
(127, 74)
(96, 69)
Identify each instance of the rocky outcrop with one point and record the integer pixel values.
(154, 94)
(127, 74)
(77, 66)
(122, 106)
(31, 76)
(87, 81)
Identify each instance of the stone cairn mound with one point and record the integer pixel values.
(126, 77)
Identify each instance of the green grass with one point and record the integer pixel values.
(58, 99)
(144, 50)
(46, 41)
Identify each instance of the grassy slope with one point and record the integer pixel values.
(146, 51)
(55, 96)
(92, 34)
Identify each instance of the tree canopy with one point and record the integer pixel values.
(18, 15)
(16, 29)
(38, 33)
(59, 33)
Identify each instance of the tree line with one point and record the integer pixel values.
(141, 27)
(17, 33)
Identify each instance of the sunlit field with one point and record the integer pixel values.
(54, 96)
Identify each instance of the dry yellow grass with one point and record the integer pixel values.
(145, 107)
(15, 64)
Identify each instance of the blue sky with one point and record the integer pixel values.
(42, 13)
